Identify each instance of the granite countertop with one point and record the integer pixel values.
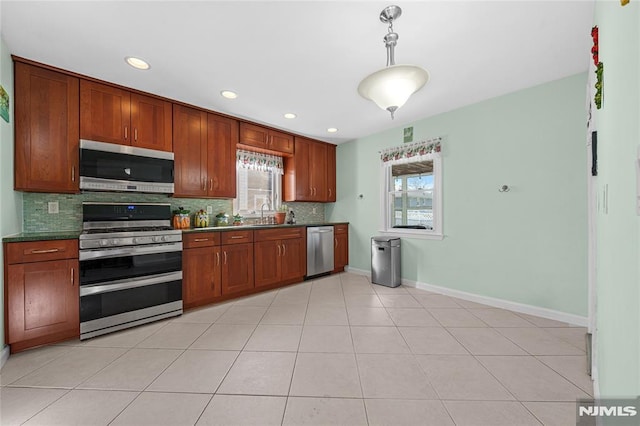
(254, 227)
(70, 235)
(41, 236)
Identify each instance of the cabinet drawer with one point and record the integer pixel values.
(237, 237)
(341, 229)
(37, 251)
(278, 234)
(200, 239)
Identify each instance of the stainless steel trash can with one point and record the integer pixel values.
(385, 261)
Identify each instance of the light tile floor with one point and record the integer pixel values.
(336, 350)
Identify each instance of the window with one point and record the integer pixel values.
(411, 191)
(259, 183)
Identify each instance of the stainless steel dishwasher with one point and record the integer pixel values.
(319, 250)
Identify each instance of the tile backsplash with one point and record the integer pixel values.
(69, 218)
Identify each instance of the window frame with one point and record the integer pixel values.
(386, 226)
(275, 204)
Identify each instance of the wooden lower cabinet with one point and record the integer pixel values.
(237, 268)
(280, 256)
(42, 298)
(341, 247)
(201, 276)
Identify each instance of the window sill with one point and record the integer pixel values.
(413, 233)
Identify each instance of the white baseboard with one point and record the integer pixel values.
(491, 301)
(4, 356)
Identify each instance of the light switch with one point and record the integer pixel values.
(54, 207)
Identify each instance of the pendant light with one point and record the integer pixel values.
(392, 86)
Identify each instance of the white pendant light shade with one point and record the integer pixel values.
(392, 86)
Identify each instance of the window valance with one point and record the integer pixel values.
(258, 161)
(410, 152)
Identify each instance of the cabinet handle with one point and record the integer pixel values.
(329, 192)
(45, 251)
(73, 277)
(284, 250)
(73, 173)
(210, 184)
(204, 184)
(336, 242)
(126, 132)
(218, 258)
(235, 237)
(135, 134)
(279, 252)
(198, 240)
(225, 257)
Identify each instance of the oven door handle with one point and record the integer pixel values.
(129, 251)
(129, 283)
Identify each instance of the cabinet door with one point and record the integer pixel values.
(341, 252)
(105, 113)
(201, 281)
(237, 268)
(318, 171)
(303, 185)
(294, 258)
(190, 152)
(281, 142)
(331, 173)
(42, 301)
(222, 135)
(151, 123)
(267, 262)
(253, 135)
(46, 130)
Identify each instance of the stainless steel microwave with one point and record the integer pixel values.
(113, 167)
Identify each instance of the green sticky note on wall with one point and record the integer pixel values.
(408, 134)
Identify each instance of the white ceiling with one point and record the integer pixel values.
(306, 57)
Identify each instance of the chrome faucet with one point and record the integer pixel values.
(268, 204)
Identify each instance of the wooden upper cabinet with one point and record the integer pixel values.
(190, 151)
(222, 138)
(310, 173)
(204, 154)
(265, 139)
(151, 122)
(46, 130)
(110, 114)
(331, 173)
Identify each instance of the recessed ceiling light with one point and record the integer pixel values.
(137, 63)
(229, 94)
(290, 115)
(332, 130)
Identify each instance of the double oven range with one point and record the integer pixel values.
(130, 266)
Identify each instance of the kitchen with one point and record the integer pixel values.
(501, 258)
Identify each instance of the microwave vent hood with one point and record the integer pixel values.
(122, 168)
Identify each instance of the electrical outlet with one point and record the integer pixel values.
(313, 210)
(209, 209)
(53, 207)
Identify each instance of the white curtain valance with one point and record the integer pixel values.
(411, 152)
(259, 161)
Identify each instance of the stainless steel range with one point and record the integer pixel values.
(130, 266)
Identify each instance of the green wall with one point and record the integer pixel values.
(528, 245)
(10, 201)
(618, 230)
